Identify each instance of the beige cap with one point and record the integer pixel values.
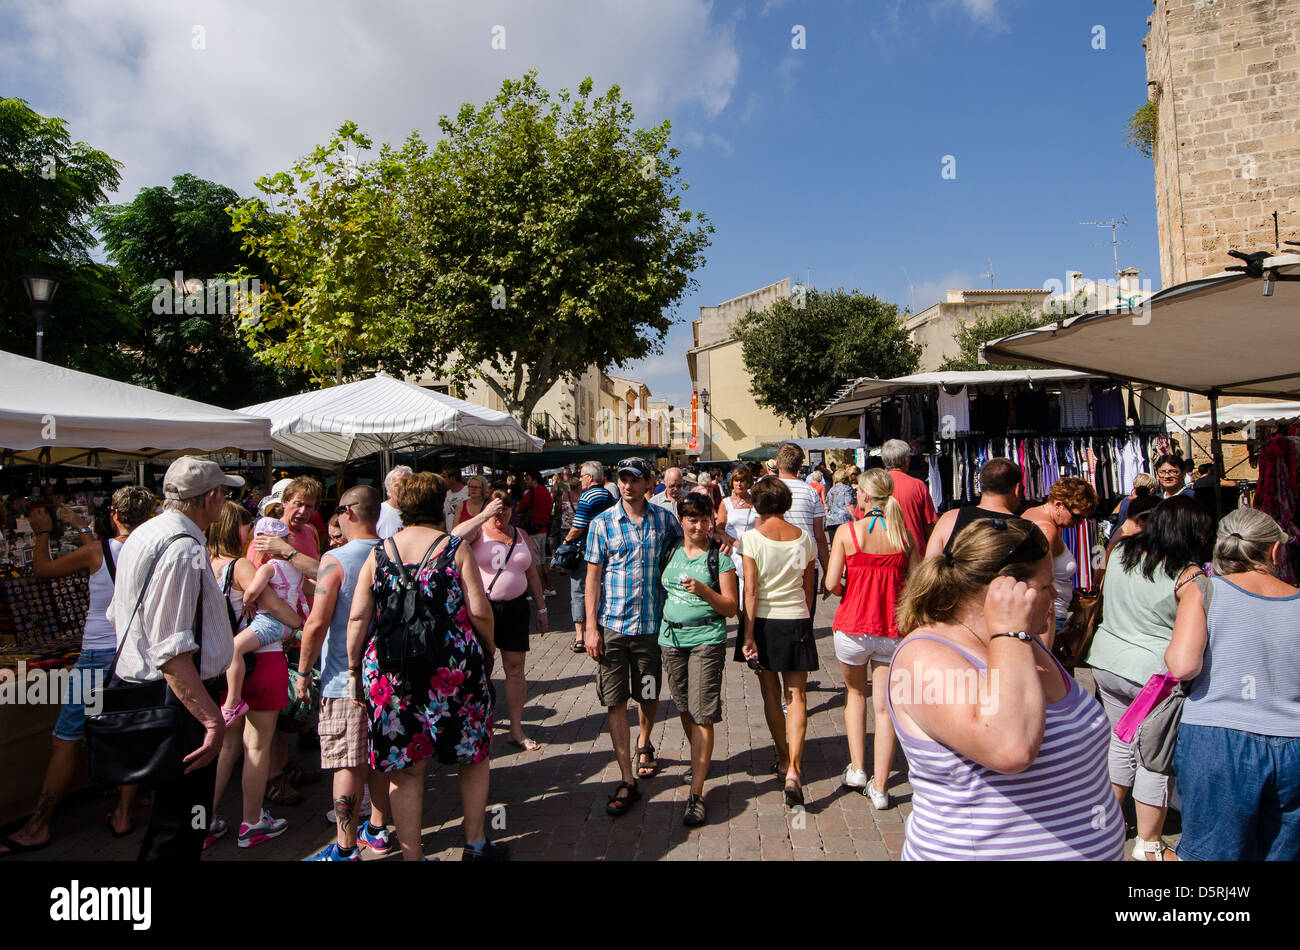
(190, 476)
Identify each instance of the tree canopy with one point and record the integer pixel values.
(49, 186)
(800, 356)
(187, 344)
(999, 322)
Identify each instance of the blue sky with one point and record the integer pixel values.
(825, 159)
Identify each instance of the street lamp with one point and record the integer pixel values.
(704, 400)
(40, 291)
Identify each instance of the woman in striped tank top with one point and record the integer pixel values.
(1006, 753)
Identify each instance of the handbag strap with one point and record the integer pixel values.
(409, 582)
(510, 551)
(144, 589)
(108, 559)
(227, 583)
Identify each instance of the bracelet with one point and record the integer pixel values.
(541, 610)
(1020, 635)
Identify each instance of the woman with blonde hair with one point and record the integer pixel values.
(1006, 753)
(1069, 502)
(1238, 752)
(876, 553)
(478, 490)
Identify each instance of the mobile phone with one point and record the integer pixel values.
(755, 665)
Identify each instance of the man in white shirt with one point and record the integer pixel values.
(159, 642)
(457, 491)
(390, 519)
(674, 482)
(806, 508)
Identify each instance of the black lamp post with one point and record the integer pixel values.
(704, 400)
(40, 291)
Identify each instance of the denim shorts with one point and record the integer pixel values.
(1241, 795)
(577, 596)
(268, 629)
(71, 725)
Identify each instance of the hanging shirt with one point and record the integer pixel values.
(1076, 408)
(954, 411)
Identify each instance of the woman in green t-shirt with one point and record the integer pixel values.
(693, 637)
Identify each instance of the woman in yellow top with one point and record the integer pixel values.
(779, 562)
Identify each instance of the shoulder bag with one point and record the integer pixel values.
(1158, 733)
(137, 736)
(1075, 639)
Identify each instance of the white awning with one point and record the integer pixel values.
(75, 415)
(863, 392)
(383, 414)
(1242, 414)
(1218, 335)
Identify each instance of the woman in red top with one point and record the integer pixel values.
(877, 551)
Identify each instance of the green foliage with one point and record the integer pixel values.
(1143, 127)
(999, 322)
(197, 355)
(800, 357)
(49, 185)
(547, 235)
(332, 245)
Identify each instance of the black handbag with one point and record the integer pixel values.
(138, 736)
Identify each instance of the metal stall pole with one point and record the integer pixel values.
(1216, 450)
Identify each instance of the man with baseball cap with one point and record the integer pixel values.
(180, 604)
(622, 633)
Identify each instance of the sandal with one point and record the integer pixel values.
(578, 646)
(13, 847)
(793, 793)
(528, 745)
(644, 769)
(694, 816)
(619, 806)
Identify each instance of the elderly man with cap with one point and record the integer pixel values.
(623, 611)
(180, 633)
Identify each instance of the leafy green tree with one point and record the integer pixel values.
(801, 352)
(49, 185)
(187, 343)
(547, 235)
(333, 245)
(1143, 128)
(999, 322)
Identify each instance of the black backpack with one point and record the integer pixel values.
(411, 629)
(670, 548)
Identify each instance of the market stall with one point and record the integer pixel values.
(50, 415)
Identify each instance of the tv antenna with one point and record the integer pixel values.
(989, 275)
(1115, 242)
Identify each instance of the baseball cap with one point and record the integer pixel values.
(190, 476)
(635, 466)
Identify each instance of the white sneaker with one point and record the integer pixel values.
(333, 819)
(1148, 850)
(879, 800)
(853, 778)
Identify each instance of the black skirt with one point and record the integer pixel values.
(510, 624)
(784, 646)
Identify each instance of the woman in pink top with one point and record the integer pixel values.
(505, 559)
(878, 552)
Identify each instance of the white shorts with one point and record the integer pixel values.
(857, 649)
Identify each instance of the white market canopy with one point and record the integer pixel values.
(77, 415)
(383, 414)
(1241, 415)
(827, 444)
(863, 392)
(1219, 336)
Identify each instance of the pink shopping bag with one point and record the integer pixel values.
(1156, 689)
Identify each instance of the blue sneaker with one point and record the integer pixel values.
(377, 840)
(332, 853)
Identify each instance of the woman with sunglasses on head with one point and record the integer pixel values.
(734, 517)
(1069, 502)
(1006, 753)
(1149, 575)
(478, 490)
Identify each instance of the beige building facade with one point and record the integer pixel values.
(733, 421)
(1225, 77)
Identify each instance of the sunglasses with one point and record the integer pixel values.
(1028, 550)
(344, 509)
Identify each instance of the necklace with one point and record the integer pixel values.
(973, 633)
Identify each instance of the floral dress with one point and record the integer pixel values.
(447, 715)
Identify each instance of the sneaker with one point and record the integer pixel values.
(280, 792)
(332, 853)
(333, 818)
(377, 840)
(492, 851)
(230, 715)
(853, 778)
(879, 800)
(267, 828)
(694, 816)
(216, 830)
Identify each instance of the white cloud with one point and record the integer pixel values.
(983, 12)
(696, 139)
(930, 292)
(276, 79)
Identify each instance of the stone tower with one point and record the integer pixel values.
(1225, 75)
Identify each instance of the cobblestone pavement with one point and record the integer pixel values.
(554, 798)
